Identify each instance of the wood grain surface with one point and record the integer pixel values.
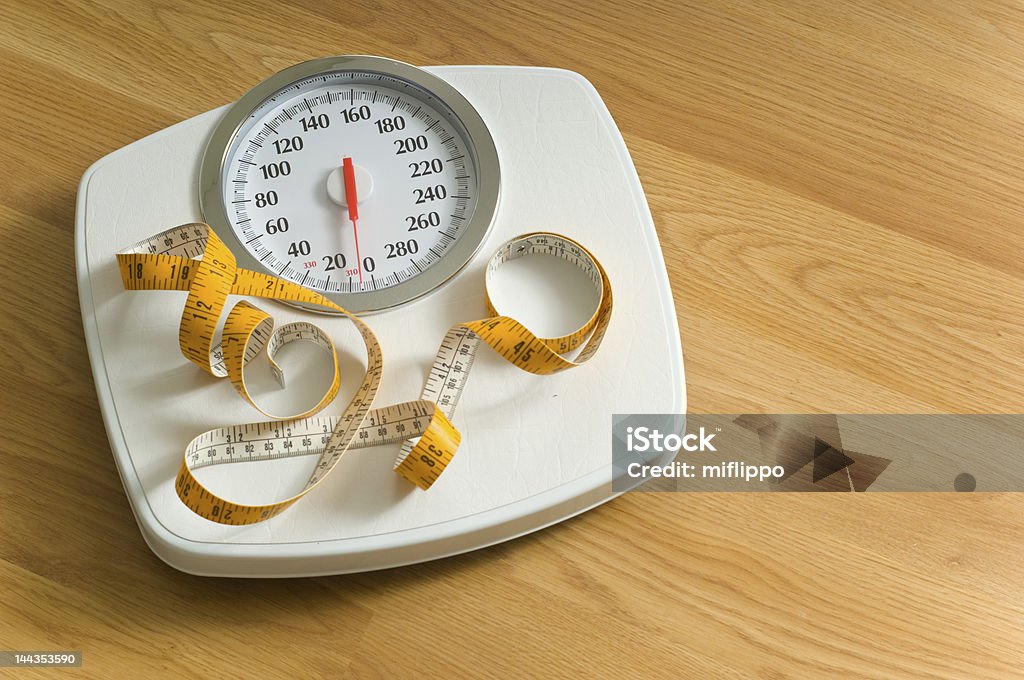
(837, 190)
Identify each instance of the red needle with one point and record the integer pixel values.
(352, 201)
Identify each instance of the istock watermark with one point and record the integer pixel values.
(818, 452)
(643, 439)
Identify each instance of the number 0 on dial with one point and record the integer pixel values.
(365, 179)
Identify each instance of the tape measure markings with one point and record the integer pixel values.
(192, 258)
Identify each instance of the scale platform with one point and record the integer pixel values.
(535, 449)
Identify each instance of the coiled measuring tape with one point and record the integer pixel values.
(193, 259)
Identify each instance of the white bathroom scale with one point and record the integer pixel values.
(534, 450)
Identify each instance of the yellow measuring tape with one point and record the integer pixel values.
(192, 258)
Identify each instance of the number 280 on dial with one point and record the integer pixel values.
(365, 179)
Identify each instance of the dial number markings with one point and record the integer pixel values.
(404, 160)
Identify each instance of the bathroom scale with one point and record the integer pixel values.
(413, 198)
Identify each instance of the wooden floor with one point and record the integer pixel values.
(838, 189)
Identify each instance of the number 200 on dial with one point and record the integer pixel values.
(365, 179)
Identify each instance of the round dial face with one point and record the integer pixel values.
(356, 183)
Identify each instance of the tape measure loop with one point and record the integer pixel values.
(516, 343)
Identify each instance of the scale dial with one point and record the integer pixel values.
(283, 165)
